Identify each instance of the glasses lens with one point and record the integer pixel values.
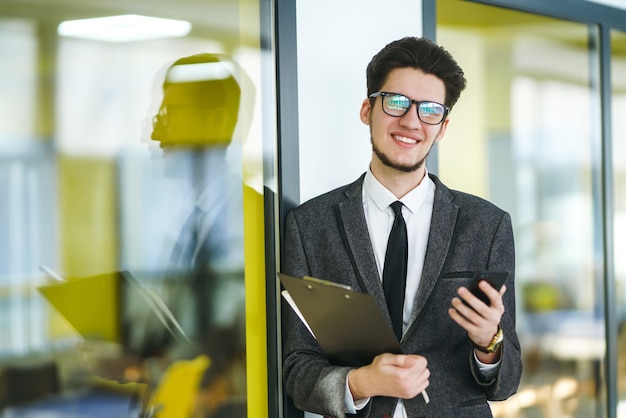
(431, 112)
(396, 104)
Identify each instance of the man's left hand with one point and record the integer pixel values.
(481, 321)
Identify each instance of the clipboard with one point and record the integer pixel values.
(111, 307)
(349, 326)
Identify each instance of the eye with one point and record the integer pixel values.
(398, 102)
(431, 111)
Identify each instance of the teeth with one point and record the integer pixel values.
(404, 139)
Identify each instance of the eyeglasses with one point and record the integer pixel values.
(170, 113)
(398, 105)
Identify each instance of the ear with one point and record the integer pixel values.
(220, 118)
(366, 109)
(442, 130)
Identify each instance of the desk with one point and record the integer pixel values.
(88, 404)
(568, 335)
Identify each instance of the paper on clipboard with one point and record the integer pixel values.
(293, 305)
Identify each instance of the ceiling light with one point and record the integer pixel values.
(124, 28)
(205, 71)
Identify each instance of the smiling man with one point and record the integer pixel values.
(399, 234)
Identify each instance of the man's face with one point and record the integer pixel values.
(190, 118)
(402, 143)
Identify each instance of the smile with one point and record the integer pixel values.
(404, 139)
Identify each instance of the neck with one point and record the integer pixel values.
(397, 182)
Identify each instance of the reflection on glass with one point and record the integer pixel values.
(529, 126)
(203, 283)
(121, 164)
(618, 78)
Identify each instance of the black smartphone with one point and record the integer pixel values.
(495, 278)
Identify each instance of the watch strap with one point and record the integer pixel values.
(495, 343)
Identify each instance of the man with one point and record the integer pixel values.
(199, 133)
(462, 354)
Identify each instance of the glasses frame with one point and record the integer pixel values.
(383, 94)
(162, 117)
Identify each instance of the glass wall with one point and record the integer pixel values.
(526, 135)
(618, 104)
(131, 228)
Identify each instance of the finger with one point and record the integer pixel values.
(468, 321)
(489, 290)
(397, 360)
(503, 290)
(470, 305)
(468, 297)
(495, 298)
(408, 361)
(471, 321)
(460, 319)
(418, 362)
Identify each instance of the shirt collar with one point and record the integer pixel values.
(383, 197)
(220, 179)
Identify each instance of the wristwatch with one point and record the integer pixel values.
(495, 343)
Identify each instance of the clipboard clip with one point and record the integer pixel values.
(328, 283)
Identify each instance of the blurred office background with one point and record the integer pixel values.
(540, 131)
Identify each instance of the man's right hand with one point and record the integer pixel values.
(401, 376)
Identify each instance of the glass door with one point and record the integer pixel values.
(526, 135)
(132, 219)
(618, 104)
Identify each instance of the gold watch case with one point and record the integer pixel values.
(495, 343)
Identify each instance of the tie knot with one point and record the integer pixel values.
(397, 208)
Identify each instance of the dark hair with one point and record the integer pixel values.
(208, 88)
(418, 53)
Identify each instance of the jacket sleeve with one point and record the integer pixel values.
(502, 257)
(310, 380)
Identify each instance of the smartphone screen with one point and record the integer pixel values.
(495, 278)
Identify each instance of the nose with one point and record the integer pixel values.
(158, 129)
(410, 119)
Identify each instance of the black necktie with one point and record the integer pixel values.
(394, 269)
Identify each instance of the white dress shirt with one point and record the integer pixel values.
(417, 211)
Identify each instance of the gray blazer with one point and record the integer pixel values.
(327, 238)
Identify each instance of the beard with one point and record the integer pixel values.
(406, 168)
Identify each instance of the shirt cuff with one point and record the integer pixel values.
(488, 371)
(353, 406)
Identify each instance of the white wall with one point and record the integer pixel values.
(335, 44)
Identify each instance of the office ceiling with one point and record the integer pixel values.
(467, 14)
(216, 19)
(220, 19)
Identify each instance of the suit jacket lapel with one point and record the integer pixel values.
(439, 240)
(353, 227)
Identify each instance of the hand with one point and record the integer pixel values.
(396, 375)
(109, 361)
(479, 320)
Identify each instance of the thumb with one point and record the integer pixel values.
(406, 361)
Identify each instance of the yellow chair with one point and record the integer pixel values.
(175, 396)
